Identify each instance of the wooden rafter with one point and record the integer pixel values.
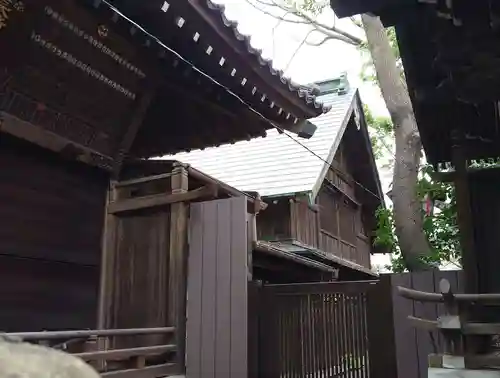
(133, 128)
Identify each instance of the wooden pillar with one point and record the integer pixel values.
(178, 262)
(107, 262)
(464, 214)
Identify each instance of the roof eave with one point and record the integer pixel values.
(290, 95)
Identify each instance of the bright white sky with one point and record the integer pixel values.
(310, 63)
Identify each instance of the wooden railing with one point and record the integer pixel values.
(359, 253)
(152, 361)
(467, 337)
(331, 244)
(314, 330)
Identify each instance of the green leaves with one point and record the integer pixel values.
(440, 227)
(313, 7)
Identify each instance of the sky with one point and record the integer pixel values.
(309, 63)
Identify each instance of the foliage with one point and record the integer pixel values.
(314, 7)
(381, 130)
(440, 226)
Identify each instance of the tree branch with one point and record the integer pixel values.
(303, 18)
(297, 50)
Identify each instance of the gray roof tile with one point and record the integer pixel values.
(276, 165)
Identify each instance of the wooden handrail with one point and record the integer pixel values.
(147, 372)
(423, 296)
(50, 335)
(425, 324)
(340, 240)
(467, 328)
(124, 354)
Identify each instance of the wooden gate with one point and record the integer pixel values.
(317, 330)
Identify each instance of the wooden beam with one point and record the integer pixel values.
(136, 122)
(53, 142)
(163, 199)
(123, 354)
(163, 370)
(200, 176)
(179, 213)
(464, 214)
(107, 263)
(143, 180)
(451, 176)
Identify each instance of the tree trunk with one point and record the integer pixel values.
(408, 217)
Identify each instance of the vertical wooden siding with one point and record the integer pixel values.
(217, 290)
(314, 330)
(304, 223)
(52, 214)
(139, 290)
(38, 295)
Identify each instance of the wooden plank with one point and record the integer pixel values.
(464, 214)
(107, 263)
(323, 287)
(177, 283)
(195, 285)
(147, 372)
(143, 180)
(51, 141)
(55, 335)
(137, 120)
(253, 329)
(217, 289)
(141, 272)
(405, 335)
(123, 354)
(156, 200)
(223, 290)
(209, 288)
(239, 288)
(426, 342)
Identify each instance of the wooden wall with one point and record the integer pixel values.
(52, 215)
(140, 290)
(405, 347)
(335, 224)
(338, 222)
(218, 290)
(304, 222)
(274, 222)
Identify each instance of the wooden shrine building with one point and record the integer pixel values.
(87, 90)
(322, 193)
(450, 51)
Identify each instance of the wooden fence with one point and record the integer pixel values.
(405, 350)
(350, 329)
(313, 330)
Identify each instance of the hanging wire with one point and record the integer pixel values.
(243, 102)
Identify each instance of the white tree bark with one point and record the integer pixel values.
(407, 207)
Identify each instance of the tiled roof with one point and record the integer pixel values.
(277, 165)
(244, 40)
